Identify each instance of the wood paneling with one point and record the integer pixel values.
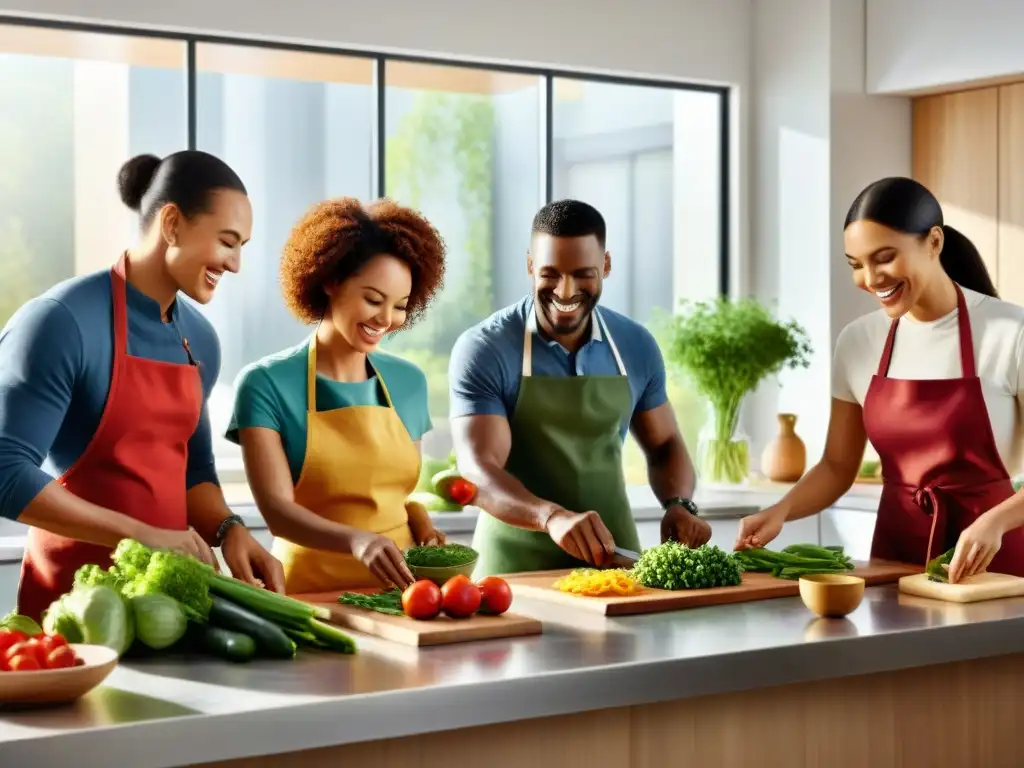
(964, 715)
(955, 155)
(1011, 193)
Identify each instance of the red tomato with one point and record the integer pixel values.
(9, 637)
(23, 662)
(49, 643)
(23, 647)
(462, 491)
(495, 595)
(60, 658)
(422, 599)
(460, 597)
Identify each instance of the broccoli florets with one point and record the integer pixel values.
(131, 559)
(184, 578)
(94, 576)
(675, 566)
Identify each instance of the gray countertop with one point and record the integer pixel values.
(164, 713)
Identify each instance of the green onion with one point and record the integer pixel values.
(265, 603)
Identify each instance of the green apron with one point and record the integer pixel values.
(566, 449)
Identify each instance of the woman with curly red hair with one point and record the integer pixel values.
(330, 428)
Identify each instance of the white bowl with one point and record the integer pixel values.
(59, 686)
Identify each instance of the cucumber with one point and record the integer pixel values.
(270, 639)
(233, 646)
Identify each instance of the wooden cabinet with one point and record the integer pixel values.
(969, 150)
(1011, 193)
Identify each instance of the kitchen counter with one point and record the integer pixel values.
(706, 684)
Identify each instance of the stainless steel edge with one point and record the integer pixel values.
(170, 713)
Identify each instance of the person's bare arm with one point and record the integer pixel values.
(266, 467)
(482, 446)
(669, 468)
(59, 511)
(837, 470)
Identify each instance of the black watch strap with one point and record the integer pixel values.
(226, 524)
(685, 503)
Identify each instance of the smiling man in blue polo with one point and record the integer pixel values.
(542, 395)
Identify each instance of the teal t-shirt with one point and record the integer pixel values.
(271, 393)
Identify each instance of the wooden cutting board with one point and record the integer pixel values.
(440, 631)
(755, 586)
(983, 586)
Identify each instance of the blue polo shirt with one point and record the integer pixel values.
(487, 361)
(56, 355)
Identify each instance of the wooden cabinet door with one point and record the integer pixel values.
(1011, 193)
(955, 155)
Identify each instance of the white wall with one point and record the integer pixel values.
(818, 140)
(919, 45)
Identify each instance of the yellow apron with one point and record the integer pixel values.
(359, 468)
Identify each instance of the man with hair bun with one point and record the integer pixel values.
(542, 394)
(107, 375)
(330, 429)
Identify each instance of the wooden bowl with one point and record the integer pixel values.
(831, 595)
(59, 686)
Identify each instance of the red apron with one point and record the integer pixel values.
(135, 463)
(939, 459)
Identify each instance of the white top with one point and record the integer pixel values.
(932, 351)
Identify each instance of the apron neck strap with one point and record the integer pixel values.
(531, 325)
(311, 378)
(963, 322)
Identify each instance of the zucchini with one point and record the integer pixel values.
(233, 646)
(270, 639)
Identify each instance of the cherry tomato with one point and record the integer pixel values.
(23, 662)
(9, 637)
(422, 599)
(60, 658)
(49, 643)
(460, 597)
(462, 491)
(495, 595)
(20, 648)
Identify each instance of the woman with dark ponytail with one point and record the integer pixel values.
(107, 375)
(934, 380)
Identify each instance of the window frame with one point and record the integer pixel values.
(230, 468)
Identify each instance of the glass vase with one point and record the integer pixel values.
(723, 451)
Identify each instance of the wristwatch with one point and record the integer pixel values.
(686, 504)
(224, 527)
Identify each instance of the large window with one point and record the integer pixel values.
(646, 158)
(298, 128)
(464, 146)
(478, 150)
(73, 107)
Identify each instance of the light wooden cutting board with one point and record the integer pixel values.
(439, 631)
(983, 586)
(538, 585)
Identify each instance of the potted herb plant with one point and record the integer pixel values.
(726, 348)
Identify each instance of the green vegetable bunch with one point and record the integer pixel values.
(726, 348)
(440, 557)
(938, 567)
(159, 593)
(389, 602)
(794, 561)
(675, 566)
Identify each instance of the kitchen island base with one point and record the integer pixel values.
(964, 714)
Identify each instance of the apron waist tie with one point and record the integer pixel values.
(927, 499)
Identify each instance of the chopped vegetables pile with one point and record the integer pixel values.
(675, 566)
(938, 567)
(794, 561)
(440, 557)
(591, 582)
(459, 598)
(163, 600)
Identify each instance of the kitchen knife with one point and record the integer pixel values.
(625, 558)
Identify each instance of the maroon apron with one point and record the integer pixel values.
(135, 463)
(940, 463)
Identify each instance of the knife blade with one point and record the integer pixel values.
(625, 557)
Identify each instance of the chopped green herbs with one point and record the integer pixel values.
(440, 557)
